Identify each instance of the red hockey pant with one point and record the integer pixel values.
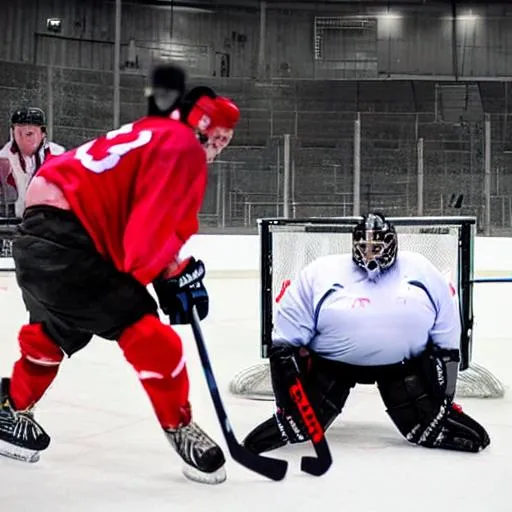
(153, 349)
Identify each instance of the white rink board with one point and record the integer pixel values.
(241, 253)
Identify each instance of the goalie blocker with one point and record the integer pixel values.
(417, 393)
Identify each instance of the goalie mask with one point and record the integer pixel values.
(374, 244)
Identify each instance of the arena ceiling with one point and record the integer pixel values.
(310, 4)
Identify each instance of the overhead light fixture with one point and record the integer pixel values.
(390, 16)
(468, 16)
(54, 24)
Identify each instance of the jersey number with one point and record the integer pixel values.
(114, 152)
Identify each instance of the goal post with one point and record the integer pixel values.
(279, 236)
(287, 245)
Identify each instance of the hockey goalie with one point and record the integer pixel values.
(375, 315)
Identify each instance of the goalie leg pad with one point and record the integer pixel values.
(413, 406)
(323, 380)
(156, 353)
(408, 403)
(37, 367)
(266, 436)
(463, 433)
(327, 391)
(327, 388)
(440, 368)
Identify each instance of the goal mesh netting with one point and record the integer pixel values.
(288, 245)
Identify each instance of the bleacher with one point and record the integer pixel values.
(320, 118)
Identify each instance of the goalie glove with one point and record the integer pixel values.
(181, 290)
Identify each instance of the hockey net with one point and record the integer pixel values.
(288, 245)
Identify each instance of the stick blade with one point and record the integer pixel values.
(274, 469)
(317, 466)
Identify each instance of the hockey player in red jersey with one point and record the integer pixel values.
(103, 222)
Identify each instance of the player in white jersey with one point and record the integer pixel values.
(27, 149)
(372, 316)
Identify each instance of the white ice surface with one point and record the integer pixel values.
(108, 453)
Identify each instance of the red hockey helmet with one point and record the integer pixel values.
(213, 117)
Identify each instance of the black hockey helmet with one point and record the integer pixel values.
(29, 115)
(374, 243)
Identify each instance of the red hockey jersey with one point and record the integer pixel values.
(137, 191)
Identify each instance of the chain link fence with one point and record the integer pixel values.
(409, 164)
(316, 148)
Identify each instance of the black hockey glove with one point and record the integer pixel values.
(285, 372)
(440, 368)
(178, 293)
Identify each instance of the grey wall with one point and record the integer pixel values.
(285, 98)
(319, 116)
(415, 42)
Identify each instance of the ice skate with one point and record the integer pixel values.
(21, 437)
(203, 458)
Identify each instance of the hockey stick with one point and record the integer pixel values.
(322, 462)
(275, 469)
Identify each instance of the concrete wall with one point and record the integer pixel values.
(411, 41)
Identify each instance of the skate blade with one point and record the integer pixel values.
(12, 451)
(217, 477)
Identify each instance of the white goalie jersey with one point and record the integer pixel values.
(335, 310)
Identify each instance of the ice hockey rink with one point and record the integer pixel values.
(108, 453)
